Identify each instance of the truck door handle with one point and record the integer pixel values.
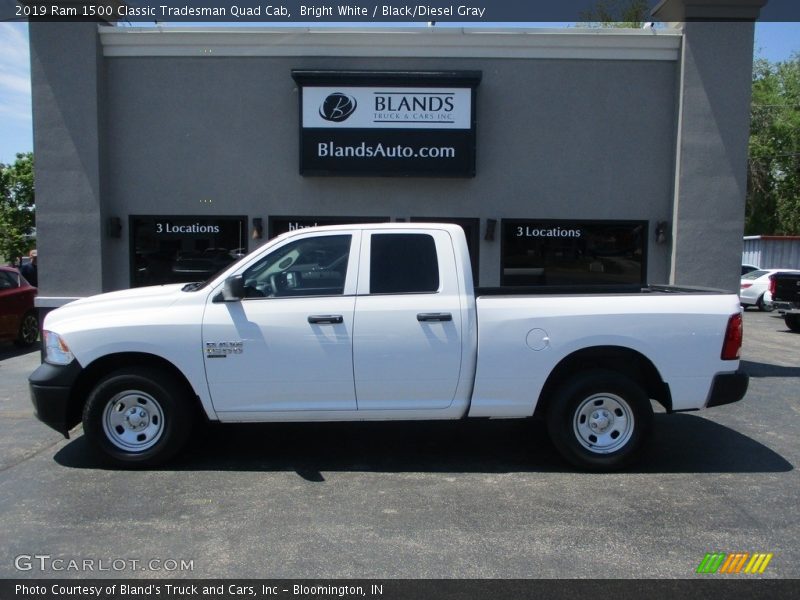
(325, 319)
(434, 317)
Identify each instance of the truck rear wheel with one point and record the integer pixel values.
(792, 322)
(138, 417)
(599, 420)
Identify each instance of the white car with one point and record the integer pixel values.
(754, 288)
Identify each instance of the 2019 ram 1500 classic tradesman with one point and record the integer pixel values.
(381, 322)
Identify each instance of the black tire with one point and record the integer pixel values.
(792, 322)
(28, 333)
(138, 417)
(762, 306)
(606, 406)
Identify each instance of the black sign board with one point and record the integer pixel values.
(387, 123)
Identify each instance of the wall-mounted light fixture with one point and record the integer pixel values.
(114, 227)
(491, 225)
(662, 231)
(258, 228)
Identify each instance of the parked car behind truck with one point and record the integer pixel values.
(19, 321)
(785, 291)
(754, 288)
(381, 322)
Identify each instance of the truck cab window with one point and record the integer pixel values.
(403, 263)
(315, 266)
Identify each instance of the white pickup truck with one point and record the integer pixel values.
(381, 322)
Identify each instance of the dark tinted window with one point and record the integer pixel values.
(403, 263)
(573, 252)
(278, 225)
(181, 249)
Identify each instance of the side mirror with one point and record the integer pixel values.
(233, 289)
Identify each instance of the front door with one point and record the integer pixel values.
(288, 345)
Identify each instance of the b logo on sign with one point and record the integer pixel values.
(337, 107)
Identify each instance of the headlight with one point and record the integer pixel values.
(56, 350)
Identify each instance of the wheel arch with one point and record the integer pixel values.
(96, 370)
(625, 361)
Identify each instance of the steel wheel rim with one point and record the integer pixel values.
(29, 329)
(603, 423)
(133, 421)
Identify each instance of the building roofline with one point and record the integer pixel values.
(430, 42)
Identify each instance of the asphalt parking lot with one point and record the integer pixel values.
(467, 499)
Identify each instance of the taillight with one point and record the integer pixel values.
(733, 338)
(772, 285)
(744, 286)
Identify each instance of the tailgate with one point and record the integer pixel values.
(787, 288)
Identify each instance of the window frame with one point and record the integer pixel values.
(351, 274)
(364, 280)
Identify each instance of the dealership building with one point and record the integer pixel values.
(569, 156)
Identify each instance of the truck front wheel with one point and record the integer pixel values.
(792, 322)
(138, 417)
(599, 420)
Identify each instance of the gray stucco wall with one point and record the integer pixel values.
(712, 160)
(586, 139)
(67, 75)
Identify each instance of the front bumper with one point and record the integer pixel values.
(51, 389)
(727, 388)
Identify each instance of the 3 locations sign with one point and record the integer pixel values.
(387, 123)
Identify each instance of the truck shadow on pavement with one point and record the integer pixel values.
(681, 444)
(758, 369)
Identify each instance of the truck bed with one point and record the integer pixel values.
(596, 290)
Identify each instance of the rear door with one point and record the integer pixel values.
(407, 333)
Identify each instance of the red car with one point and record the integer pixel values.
(18, 319)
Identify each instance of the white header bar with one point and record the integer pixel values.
(387, 108)
(436, 42)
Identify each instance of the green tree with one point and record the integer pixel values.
(773, 182)
(621, 14)
(17, 207)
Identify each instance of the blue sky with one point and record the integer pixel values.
(774, 41)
